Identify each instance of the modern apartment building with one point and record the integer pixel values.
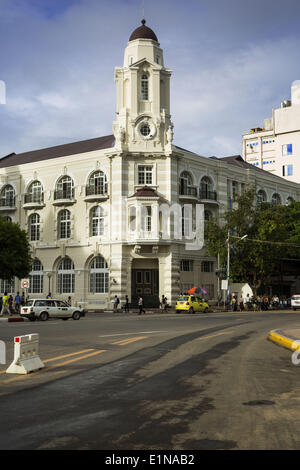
(275, 147)
(117, 215)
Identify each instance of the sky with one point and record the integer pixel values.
(233, 61)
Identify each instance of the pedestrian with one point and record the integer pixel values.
(116, 303)
(234, 303)
(22, 299)
(164, 303)
(11, 304)
(141, 305)
(126, 305)
(69, 301)
(4, 304)
(49, 296)
(17, 303)
(1, 303)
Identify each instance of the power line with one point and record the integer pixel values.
(267, 242)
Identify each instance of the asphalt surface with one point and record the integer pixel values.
(208, 381)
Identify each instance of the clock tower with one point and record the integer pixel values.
(143, 121)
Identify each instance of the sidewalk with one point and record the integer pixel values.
(12, 318)
(286, 338)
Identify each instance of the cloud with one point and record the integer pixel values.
(230, 68)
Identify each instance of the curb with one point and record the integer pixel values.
(14, 319)
(279, 338)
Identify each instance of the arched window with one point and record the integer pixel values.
(186, 184)
(64, 188)
(65, 276)
(99, 276)
(36, 277)
(261, 196)
(7, 197)
(97, 184)
(144, 88)
(289, 200)
(35, 192)
(276, 199)
(97, 221)
(206, 187)
(64, 224)
(34, 227)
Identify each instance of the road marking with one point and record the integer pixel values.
(55, 366)
(128, 341)
(68, 355)
(217, 334)
(140, 332)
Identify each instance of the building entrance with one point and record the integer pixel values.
(145, 282)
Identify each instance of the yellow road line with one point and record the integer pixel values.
(55, 366)
(128, 341)
(217, 334)
(67, 355)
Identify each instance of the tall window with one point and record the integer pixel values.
(65, 276)
(261, 196)
(276, 199)
(97, 221)
(34, 227)
(185, 183)
(97, 183)
(206, 188)
(99, 276)
(145, 174)
(7, 286)
(144, 88)
(287, 149)
(146, 218)
(35, 192)
(207, 266)
(64, 188)
(7, 197)
(36, 277)
(64, 224)
(186, 265)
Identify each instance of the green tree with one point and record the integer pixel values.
(15, 257)
(270, 230)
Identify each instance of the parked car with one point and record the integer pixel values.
(190, 304)
(295, 301)
(43, 309)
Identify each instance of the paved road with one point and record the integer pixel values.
(154, 382)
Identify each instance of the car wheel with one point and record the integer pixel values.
(44, 316)
(76, 315)
(191, 310)
(65, 319)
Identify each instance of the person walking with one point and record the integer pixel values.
(11, 305)
(49, 296)
(116, 303)
(141, 305)
(4, 304)
(164, 303)
(69, 301)
(126, 305)
(18, 303)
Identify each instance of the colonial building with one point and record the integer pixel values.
(123, 214)
(275, 147)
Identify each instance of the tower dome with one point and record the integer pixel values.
(143, 32)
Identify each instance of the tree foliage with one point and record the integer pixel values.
(271, 230)
(15, 257)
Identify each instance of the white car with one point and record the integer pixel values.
(295, 302)
(43, 309)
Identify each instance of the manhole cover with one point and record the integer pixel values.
(259, 403)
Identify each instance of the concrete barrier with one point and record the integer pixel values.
(26, 355)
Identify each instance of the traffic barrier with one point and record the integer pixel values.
(26, 355)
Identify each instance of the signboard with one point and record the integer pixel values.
(25, 283)
(224, 284)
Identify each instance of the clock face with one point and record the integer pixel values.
(146, 129)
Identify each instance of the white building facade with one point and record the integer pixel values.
(110, 216)
(276, 146)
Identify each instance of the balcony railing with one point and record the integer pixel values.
(34, 198)
(96, 190)
(210, 195)
(63, 194)
(188, 191)
(7, 201)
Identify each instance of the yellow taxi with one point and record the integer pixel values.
(190, 304)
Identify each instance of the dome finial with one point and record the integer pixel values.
(143, 21)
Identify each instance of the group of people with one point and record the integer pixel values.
(116, 301)
(11, 305)
(257, 303)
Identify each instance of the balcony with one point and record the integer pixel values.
(63, 197)
(33, 201)
(8, 204)
(95, 193)
(208, 196)
(188, 193)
